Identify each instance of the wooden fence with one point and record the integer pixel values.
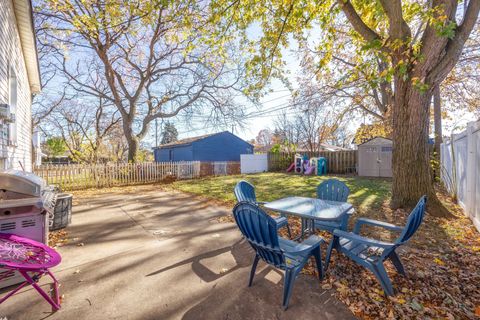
(337, 161)
(79, 176)
(219, 168)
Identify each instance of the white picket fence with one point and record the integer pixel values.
(84, 176)
(461, 169)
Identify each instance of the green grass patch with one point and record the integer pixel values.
(365, 193)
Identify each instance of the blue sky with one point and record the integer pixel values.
(271, 105)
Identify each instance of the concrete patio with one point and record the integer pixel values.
(162, 255)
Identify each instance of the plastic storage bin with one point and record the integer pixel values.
(62, 215)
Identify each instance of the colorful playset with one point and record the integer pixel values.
(312, 166)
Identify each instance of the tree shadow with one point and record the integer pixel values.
(235, 300)
(239, 250)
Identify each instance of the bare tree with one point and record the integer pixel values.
(86, 133)
(155, 61)
(346, 80)
(264, 138)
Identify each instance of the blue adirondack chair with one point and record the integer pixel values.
(334, 190)
(244, 191)
(260, 230)
(371, 253)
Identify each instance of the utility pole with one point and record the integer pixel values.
(156, 132)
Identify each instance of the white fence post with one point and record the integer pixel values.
(471, 148)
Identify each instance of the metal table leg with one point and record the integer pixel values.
(307, 228)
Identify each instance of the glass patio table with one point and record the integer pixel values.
(309, 210)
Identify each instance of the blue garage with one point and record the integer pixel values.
(222, 146)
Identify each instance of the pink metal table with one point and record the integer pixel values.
(32, 260)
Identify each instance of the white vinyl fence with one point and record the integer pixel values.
(253, 163)
(461, 169)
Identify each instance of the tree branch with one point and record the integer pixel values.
(365, 31)
(455, 46)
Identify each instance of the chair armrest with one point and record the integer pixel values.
(261, 203)
(364, 240)
(360, 222)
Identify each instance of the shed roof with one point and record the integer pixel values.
(24, 17)
(377, 141)
(194, 139)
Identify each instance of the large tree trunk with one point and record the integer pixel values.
(132, 141)
(133, 145)
(411, 158)
(437, 118)
(411, 172)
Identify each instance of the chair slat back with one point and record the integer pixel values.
(261, 232)
(334, 190)
(413, 222)
(244, 191)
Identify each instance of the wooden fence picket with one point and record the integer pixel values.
(84, 176)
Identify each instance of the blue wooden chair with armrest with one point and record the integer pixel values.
(244, 191)
(371, 253)
(333, 190)
(260, 230)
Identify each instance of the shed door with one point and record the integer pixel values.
(385, 161)
(368, 161)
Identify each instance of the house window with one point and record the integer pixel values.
(12, 101)
(170, 155)
(387, 149)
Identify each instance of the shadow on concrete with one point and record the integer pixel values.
(240, 250)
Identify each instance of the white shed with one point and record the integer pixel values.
(375, 158)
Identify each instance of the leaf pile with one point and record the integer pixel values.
(442, 262)
(57, 238)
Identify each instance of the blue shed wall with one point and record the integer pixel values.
(220, 147)
(179, 153)
(223, 146)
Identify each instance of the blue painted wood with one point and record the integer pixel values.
(245, 191)
(223, 146)
(335, 190)
(371, 253)
(178, 153)
(260, 230)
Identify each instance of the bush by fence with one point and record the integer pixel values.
(337, 161)
(83, 176)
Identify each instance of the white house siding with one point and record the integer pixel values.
(11, 55)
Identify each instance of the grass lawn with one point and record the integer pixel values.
(442, 260)
(365, 194)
